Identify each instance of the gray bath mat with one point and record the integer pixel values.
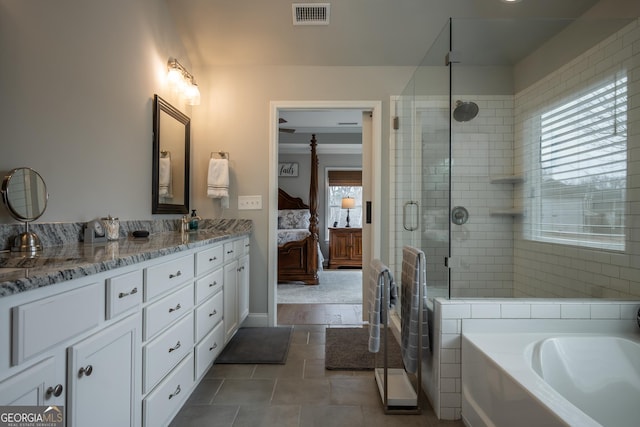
(257, 345)
(348, 349)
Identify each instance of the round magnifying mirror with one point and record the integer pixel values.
(25, 195)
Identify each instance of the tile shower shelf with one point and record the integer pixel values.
(507, 212)
(507, 179)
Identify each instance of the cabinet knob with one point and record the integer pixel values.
(179, 273)
(211, 285)
(87, 370)
(213, 259)
(174, 348)
(214, 313)
(176, 308)
(175, 393)
(55, 391)
(126, 294)
(215, 345)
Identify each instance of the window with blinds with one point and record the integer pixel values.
(343, 183)
(583, 169)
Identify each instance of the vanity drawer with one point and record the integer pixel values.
(167, 398)
(123, 293)
(41, 324)
(208, 349)
(209, 285)
(209, 259)
(161, 313)
(246, 246)
(208, 315)
(165, 351)
(162, 277)
(230, 251)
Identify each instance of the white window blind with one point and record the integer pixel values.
(583, 169)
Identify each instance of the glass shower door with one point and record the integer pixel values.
(422, 168)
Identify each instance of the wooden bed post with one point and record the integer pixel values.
(313, 205)
(298, 260)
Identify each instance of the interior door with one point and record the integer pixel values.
(368, 230)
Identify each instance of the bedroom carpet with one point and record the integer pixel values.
(336, 287)
(257, 346)
(348, 349)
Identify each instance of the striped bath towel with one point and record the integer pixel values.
(379, 275)
(414, 306)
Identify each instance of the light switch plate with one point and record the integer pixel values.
(249, 202)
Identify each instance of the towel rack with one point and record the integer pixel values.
(396, 391)
(220, 155)
(165, 153)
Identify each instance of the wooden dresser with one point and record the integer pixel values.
(345, 247)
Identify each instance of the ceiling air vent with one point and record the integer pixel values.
(311, 13)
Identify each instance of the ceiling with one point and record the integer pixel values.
(360, 33)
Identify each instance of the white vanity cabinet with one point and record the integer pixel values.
(243, 287)
(33, 386)
(63, 352)
(101, 372)
(209, 312)
(236, 285)
(127, 346)
(169, 295)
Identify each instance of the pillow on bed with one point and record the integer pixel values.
(293, 219)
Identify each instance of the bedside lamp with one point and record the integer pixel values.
(348, 203)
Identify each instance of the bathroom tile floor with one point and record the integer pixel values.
(300, 393)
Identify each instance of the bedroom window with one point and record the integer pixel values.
(581, 176)
(344, 183)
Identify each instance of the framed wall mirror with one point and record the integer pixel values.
(171, 145)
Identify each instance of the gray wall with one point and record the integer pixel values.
(77, 80)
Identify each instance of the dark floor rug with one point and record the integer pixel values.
(258, 345)
(348, 349)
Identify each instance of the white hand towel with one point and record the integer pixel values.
(164, 178)
(218, 181)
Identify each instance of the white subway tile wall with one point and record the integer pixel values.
(548, 270)
(482, 249)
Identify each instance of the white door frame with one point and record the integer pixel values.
(375, 151)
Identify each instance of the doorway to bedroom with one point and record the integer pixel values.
(344, 170)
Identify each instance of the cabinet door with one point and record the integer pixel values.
(357, 246)
(103, 373)
(230, 293)
(341, 245)
(29, 387)
(243, 288)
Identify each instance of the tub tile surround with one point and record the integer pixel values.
(64, 257)
(443, 365)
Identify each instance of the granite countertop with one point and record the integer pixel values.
(70, 261)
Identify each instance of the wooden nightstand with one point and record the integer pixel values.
(345, 247)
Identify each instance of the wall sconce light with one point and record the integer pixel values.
(183, 81)
(348, 203)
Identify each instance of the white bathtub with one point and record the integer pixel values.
(549, 379)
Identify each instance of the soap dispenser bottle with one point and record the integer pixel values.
(193, 222)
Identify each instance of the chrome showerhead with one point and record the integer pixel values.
(465, 111)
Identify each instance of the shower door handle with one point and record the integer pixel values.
(411, 205)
